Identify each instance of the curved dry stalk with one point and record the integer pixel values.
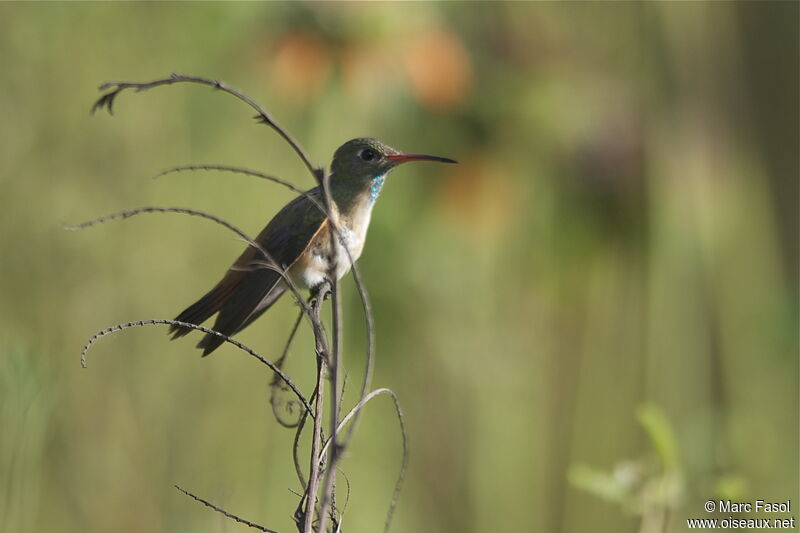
(276, 385)
(116, 87)
(316, 441)
(370, 358)
(346, 502)
(401, 420)
(315, 460)
(329, 485)
(246, 172)
(161, 321)
(224, 512)
(121, 215)
(128, 213)
(334, 364)
(296, 447)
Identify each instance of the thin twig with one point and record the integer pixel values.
(296, 446)
(314, 466)
(224, 512)
(337, 449)
(316, 441)
(333, 362)
(370, 356)
(114, 88)
(126, 325)
(329, 488)
(121, 215)
(275, 385)
(352, 414)
(346, 501)
(246, 172)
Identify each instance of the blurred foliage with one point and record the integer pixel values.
(621, 231)
(650, 487)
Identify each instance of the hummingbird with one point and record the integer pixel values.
(298, 239)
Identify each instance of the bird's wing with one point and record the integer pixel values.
(248, 287)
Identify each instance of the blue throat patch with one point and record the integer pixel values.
(375, 188)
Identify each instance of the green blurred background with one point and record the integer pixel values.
(591, 322)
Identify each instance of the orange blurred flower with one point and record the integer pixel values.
(301, 64)
(439, 68)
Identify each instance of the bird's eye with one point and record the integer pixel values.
(367, 154)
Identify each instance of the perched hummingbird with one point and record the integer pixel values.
(298, 239)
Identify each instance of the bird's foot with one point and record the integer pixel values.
(320, 293)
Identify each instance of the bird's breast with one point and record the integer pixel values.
(313, 265)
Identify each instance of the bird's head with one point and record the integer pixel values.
(365, 159)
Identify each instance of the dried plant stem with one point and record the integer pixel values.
(269, 263)
(278, 372)
(370, 355)
(114, 88)
(296, 448)
(275, 385)
(314, 467)
(352, 415)
(316, 439)
(224, 512)
(334, 454)
(244, 171)
(326, 454)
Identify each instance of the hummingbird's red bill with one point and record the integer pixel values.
(402, 158)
